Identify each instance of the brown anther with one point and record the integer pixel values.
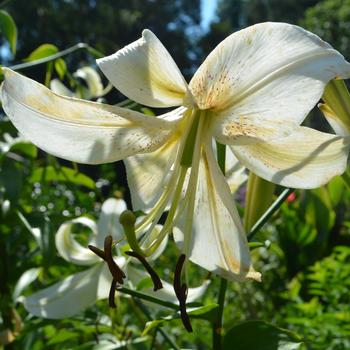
(99, 252)
(157, 283)
(181, 293)
(111, 295)
(115, 270)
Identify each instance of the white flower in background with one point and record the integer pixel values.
(94, 87)
(81, 290)
(251, 93)
(235, 172)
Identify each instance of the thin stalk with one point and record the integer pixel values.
(59, 54)
(146, 297)
(217, 324)
(269, 212)
(165, 335)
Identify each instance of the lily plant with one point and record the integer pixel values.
(81, 290)
(251, 93)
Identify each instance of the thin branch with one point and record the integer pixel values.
(76, 47)
(269, 212)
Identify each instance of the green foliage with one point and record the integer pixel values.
(260, 335)
(330, 20)
(44, 50)
(9, 29)
(319, 302)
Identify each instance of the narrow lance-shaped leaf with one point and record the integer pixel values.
(9, 29)
(258, 199)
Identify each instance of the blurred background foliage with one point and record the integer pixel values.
(304, 253)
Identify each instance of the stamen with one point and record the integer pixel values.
(127, 219)
(111, 296)
(181, 293)
(157, 283)
(106, 255)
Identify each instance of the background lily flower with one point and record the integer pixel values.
(94, 87)
(81, 290)
(252, 93)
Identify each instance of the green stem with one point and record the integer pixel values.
(59, 54)
(146, 297)
(269, 212)
(217, 324)
(187, 155)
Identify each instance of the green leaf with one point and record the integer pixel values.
(42, 51)
(11, 179)
(63, 174)
(62, 336)
(153, 324)
(259, 335)
(25, 148)
(206, 312)
(60, 67)
(145, 283)
(258, 199)
(254, 245)
(8, 27)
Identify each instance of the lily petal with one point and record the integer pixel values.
(259, 79)
(78, 130)
(147, 174)
(93, 80)
(339, 125)
(108, 223)
(235, 172)
(70, 249)
(306, 159)
(59, 88)
(218, 241)
(66, 298)
(160, 250)
(145, 72)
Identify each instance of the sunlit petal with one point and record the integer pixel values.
(263, 80)
(82, 131)
(147, 174)
(145, 72)
(59, 88)
(160, 250)
(92, 79)
(235, 172)
(108, 223)
(339, 125)
(306, 159)
(69, 248)
(66, 298)
(218, 242)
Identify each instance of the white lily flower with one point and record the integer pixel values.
(81, 290)
(252, 93)
(93, 81)
(235, 172)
